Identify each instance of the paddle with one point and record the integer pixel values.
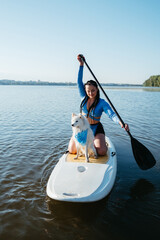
(142, 155)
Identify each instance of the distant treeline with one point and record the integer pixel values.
(153, 81)
(13, 82)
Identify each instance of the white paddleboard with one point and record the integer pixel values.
(79, 181)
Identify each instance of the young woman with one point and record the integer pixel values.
(92, 107)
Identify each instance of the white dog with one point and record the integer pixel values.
(83, 136)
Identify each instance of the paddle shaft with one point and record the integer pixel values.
(142, 155)
(106, 96)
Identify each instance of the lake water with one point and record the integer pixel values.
(34, 133)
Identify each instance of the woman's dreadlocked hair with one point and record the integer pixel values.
(94, 104)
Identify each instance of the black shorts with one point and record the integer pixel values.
(100, 129)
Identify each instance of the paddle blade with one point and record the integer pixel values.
(143, 156)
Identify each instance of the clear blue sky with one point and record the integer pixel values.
(40, 39)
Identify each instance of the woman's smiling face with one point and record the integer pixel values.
(91, 91)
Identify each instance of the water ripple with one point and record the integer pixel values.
(35, 131)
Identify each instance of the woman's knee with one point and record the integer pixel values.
(102, 151)
(72, 146)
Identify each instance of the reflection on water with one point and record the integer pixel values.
(133, 88)
(34, 133)
(87, 212)
(141, 188)
(114, 216)
(151, 89)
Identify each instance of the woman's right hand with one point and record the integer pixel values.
(79, 57)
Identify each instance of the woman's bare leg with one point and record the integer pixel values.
(72, 146)
(100, 144)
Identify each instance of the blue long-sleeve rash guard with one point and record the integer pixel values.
(101, 107)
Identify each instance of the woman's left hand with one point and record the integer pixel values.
(126, 126)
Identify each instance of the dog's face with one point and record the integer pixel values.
(77, 120)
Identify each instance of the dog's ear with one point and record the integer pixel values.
(81, 115)
(73, 114)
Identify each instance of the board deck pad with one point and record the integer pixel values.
(100, 159)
